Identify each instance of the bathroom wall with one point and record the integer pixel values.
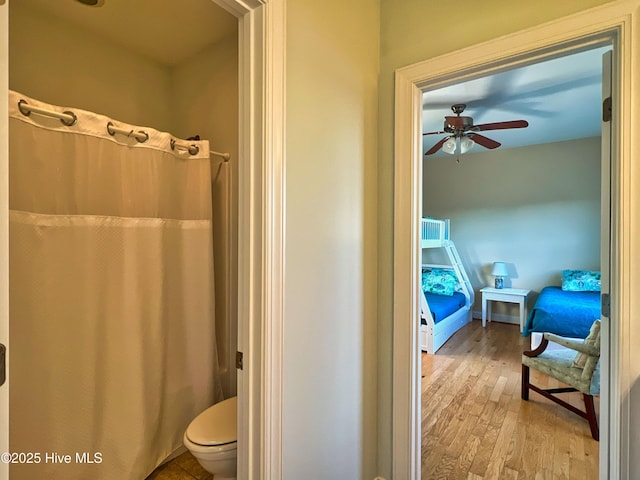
(61, 63)
(205, 100)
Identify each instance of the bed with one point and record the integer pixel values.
(566, 313)
(446, 293)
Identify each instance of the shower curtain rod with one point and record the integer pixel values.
(69, 118)
(193, 149)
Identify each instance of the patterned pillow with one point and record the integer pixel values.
(580, 281)
(442, 281)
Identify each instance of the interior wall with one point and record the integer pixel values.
(413, 31)
(205, 103)
(59, 63)
(536, 208)
(329, 357)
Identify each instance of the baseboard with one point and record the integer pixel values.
(498, 317)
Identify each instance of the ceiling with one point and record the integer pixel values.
(168, 34)
(560, 99)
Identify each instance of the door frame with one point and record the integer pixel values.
(617, 23)
(4, 226)
(261, 176)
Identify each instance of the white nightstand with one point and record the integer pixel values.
(511, 295)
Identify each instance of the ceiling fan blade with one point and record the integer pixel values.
(500, 125)
(436, 147)
(484, 141)
(434, 133)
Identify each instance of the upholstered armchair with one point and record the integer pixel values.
(577, 366)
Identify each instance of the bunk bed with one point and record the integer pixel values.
(568, 311)
(446, 294)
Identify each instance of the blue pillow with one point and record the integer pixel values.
(580, 281)
(441, 281)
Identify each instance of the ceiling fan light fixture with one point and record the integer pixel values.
(450, 146)
(466, 144)
(463, 133)
(457, 145)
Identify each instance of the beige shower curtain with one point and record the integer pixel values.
(112, 338)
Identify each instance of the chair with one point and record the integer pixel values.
(580, 371)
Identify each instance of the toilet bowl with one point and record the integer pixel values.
(211, 437)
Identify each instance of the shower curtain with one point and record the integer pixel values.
(113, 347)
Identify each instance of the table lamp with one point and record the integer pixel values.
(499, 271)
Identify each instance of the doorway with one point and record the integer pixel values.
(523, 203)
(261, 63)
(519, 49)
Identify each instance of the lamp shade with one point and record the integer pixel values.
(450, 146)
(499, 269)
(458, 145)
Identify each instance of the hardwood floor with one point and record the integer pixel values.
(476, 427)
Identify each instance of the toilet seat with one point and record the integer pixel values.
(215, 427)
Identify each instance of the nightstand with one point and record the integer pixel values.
(510, 295)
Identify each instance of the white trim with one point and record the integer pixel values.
(563, 35)
(274, 238)
(498, 317)
(605, 261)
(249, 154)
(4, 226)
(406, 451)
(260, 234)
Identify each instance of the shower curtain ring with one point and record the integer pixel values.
(23, 111)
(71, 121)
(193, 149)
(142, 140)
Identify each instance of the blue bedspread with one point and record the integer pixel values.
(442, 306)
(569, 314)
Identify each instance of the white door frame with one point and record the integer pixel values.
(617, 22)
(4, 226)
(260, 234)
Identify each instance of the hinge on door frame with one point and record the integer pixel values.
(605, 305)
(239, 360)
(3, 364)
(606, 109)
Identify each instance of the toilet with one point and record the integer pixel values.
(212, 437)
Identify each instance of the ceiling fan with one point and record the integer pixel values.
(463, 133)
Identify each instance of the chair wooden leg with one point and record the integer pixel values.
(591, 416)
(524, 391)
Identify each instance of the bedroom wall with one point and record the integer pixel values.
(412, 31)
(536, 208)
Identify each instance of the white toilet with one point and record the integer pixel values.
(212, 438)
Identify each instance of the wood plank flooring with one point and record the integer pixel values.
(476, 427)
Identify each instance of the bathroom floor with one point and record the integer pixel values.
(183, 467)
